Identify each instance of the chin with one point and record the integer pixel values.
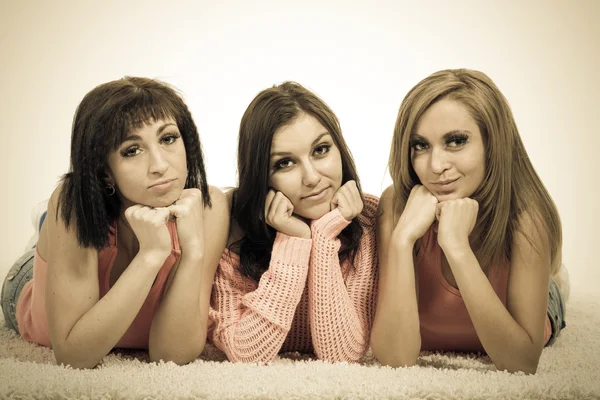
(314, 212)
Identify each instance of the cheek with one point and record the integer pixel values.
(333, 166)
(283, 182)
(419, 164)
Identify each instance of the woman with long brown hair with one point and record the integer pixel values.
(468, 234)
(300, 270)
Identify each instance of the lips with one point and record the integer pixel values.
(161, 184)
(317, 195)
(446, 182)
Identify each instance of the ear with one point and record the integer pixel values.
(108, 178)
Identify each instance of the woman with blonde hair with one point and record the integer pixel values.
(468, 234)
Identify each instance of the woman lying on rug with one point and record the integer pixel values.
(122, 259)
(300, 271)
(466, 210)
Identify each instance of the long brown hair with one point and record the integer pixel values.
(510, 185)
(270, 110)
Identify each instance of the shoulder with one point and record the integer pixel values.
(218, 199)
(218, 214)
(530, 233)
(386, 205)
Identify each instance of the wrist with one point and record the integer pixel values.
(455, 248)
(152, 257)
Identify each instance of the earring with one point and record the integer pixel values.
(109, 189)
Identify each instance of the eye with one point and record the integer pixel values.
(131, 151)
(457, 140)
(170, 138)
(283, 163)
(419, 145)
(322, 149)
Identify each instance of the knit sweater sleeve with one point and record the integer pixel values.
(250, 322)
(342, 305)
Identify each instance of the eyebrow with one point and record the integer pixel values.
(287, 153)
(446, 135)
(158, 132)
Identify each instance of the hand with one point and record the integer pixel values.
(279, 213)
(417, 217)
(188, 212)
(456, 222)
(150, 228)
(347, 200)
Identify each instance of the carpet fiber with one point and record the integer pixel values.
(567, 370)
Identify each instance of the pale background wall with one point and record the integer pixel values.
(361, 57)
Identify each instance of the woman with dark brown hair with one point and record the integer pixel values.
(300, 271)
(127, 254)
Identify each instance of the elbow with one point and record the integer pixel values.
(177, 355)
(527, 364)
(349, 356)
(393, 354)
(396, 360)
(65, 357)
(527, 368)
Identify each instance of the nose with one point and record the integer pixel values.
(310, 174)
(439, 161)
(158, 163)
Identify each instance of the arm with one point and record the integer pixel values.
(352, 302)
(251, 325)
(83, 329)
(178, 331)
(513, 336)
(396, 337)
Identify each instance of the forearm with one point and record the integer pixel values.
(96, 333)
(178, 331)
(328, 295)
(506, 342)
(396, 338)
(252, 326)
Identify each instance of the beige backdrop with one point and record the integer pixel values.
(361, 58)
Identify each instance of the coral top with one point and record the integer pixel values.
(31, 306)
(444, 319)
(305, 301)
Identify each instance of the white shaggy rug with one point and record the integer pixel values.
(568, 370)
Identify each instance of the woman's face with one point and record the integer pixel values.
(447, 151)
(150, 166)
(306, 166)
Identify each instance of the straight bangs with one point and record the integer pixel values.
(144, 106)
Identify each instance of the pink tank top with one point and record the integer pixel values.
(31, 306)
(444, 319)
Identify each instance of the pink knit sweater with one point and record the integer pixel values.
(305, 301)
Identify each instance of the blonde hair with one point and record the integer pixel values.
(510, 186)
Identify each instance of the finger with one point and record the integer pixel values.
(283, 208)
(178, 210)
(343, 203)
(129, 212)
(438, 210)
(274, 209)
(334, 201)
(268, 201)
(159, 215)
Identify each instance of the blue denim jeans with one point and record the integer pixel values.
(556, 312)
(19, 274)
